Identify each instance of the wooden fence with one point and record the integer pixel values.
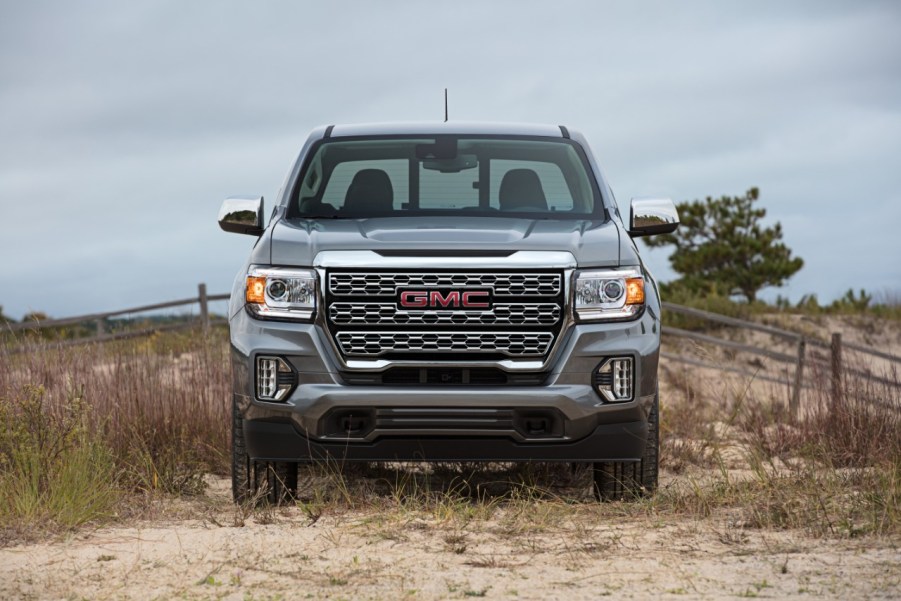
(799, 360)
(204, 320)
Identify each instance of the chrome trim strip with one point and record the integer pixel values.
(522, 259)
(377, 365)
(388, 283)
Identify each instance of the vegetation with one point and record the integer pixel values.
(836, 471)
(97, 433)
(87, 432)
(35, 316)
(721, 247)
(53, 467)
(884, 305)
(87, 329)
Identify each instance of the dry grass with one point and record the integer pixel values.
(97, 432)
(52, 465)
(123, 419)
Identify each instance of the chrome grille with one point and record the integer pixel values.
(390, 314)
(388, 284)
(523, 319)
(513, 344)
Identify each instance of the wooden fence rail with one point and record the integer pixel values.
(729, 344)
(202, 298)
(732, 321)
(774, 331)
(727, 368)
(835, 365)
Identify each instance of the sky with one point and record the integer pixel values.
(123, 125)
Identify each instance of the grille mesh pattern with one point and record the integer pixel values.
(388, 284)
(365, 318)
(389, 314)
(519, 344)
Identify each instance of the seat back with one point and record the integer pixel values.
(521, 189)
(370, 190)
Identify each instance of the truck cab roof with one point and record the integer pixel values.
(449, 127)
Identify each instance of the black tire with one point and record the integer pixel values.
(258, 481)
(616, 480)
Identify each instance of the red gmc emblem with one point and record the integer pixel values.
(453, 299)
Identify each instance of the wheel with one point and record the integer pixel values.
(258, 481)
(617, 480)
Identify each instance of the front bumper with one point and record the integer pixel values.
(583, 427)
(280, 441)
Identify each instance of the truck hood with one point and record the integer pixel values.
(592, 243)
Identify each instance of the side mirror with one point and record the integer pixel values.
(242, 215)
(649, 216)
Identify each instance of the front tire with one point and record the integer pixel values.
(619, 480)
(255, 482)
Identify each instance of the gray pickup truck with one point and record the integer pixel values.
(445, 292)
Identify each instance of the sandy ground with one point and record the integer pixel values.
(369, 554)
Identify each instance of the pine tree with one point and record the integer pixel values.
(721, 246)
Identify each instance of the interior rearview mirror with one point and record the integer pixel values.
(649, 216)
(242, 215)
(454, 165)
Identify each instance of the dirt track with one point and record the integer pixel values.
(286, 554)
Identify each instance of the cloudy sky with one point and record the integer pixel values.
(124, 124)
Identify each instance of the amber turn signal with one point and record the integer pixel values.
(256, 290)
(635, 291)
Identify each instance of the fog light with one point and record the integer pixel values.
(614, 379)
(275, 379)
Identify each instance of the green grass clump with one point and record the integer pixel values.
(54, 471)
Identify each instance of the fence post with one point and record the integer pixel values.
(204, 308)
(101, 327)
(836, 367)
(799, 379)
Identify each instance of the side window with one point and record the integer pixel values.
(343, 174)
(557, 193)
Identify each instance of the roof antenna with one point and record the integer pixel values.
(445, 105)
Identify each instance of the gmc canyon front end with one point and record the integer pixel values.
(445, 292)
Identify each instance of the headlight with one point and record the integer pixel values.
(281, 293)
(608, 294)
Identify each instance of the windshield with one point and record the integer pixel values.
(384, 176)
